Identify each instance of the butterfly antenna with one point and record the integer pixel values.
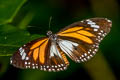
(50, 21)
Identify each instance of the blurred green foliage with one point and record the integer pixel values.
(8, 9)
(24, 20)
(11, 39)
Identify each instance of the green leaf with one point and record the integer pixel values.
(8, 9)
(11, 38)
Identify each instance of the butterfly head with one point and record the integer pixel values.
(49, 33)
(52, 36)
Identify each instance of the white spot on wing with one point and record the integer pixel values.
(37, 67)
(28, 62)
(88, 57)
(95, 29)
(49, 70)
(82, 21)
(27, 58)
(107, 20)
(88, 20)
(11, 61)
(93, 25)
(25, 62)
(23, 56)
(21, 51)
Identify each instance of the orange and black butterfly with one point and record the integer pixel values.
(80, 41)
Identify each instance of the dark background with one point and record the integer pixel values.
(22, 21)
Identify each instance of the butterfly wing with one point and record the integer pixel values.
(39, 54)
(80, 40)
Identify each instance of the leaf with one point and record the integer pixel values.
(11, 38)
(8, 9)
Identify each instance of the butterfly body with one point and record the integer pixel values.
(79, 41)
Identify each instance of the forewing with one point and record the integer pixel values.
(80, 40)
(27, 56)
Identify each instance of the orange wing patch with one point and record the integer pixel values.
(39, 50)
(42, 52)
(35, 54)
(78, 36)
(78, 33)
(72, 29)
(88, 29)
(86, 33)
(38, 43)
(64, 57)
(30, 53)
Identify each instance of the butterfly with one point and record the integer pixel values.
(79, 41)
